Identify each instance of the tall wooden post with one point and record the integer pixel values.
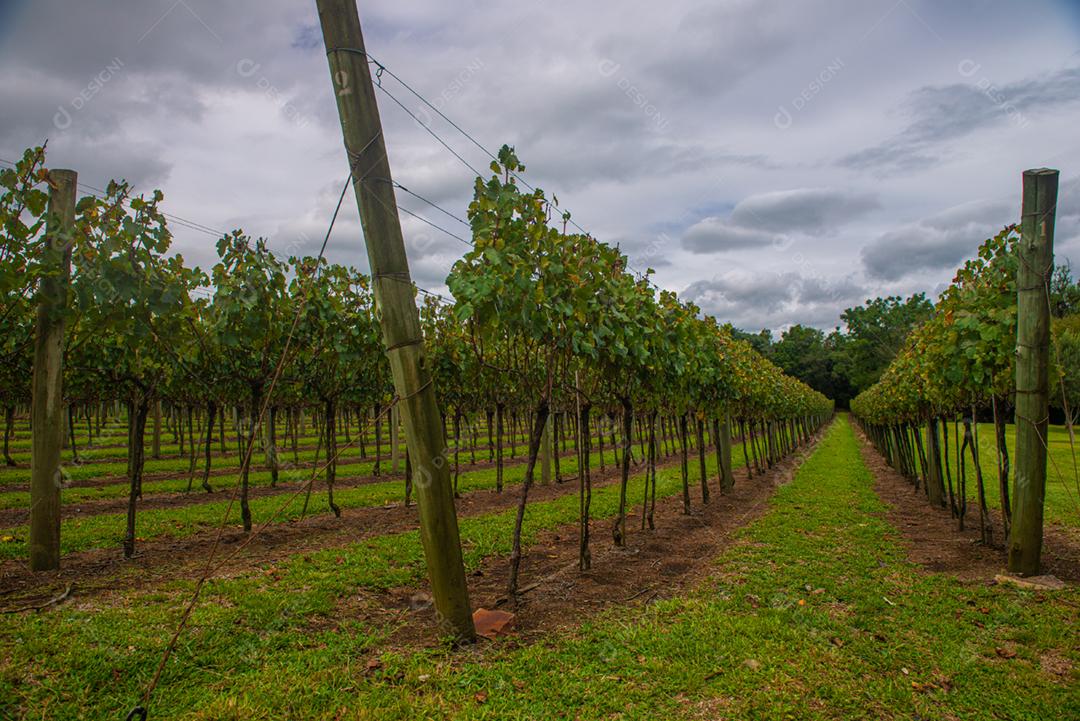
(1032, 360)
(399, 317)
(546, 453)
(395, 423)
(155, 448)
(47, 402)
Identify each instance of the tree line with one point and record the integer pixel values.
(852, 357)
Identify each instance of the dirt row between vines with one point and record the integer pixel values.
(10, 517)
(88, 455)
(309, 444)
(935, 542)
(217, 470)
(655, 564)
(161, 560)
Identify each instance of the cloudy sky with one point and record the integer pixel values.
(773, 161)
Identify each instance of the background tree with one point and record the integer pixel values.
(875, 332)
(132, 304)
(251, 305)
(1065, 367)
(801, 353)
(1064, 292)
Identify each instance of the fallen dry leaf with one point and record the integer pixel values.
(490, 624)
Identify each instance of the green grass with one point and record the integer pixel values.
(107, 529)
(90, 662)
(814, 613)
(113, 439)
(91, 468)
(1062, 504)
(179, 483)
(1062, 484)
(112, 448)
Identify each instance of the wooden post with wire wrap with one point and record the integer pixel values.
(1032, 367)
(47, 400)
(399, 317)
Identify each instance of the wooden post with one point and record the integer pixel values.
(394, 420)
(155, 448)
(545, 453)
(47, 402)
(1032, 360)
(399, 317)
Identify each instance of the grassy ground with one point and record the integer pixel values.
(88, 661)
(879, 640)
(813, 613)
(107, 529)
(1062, 477)
(107, 461)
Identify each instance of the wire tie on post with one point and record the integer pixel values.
(415, 393)
(405, 344)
